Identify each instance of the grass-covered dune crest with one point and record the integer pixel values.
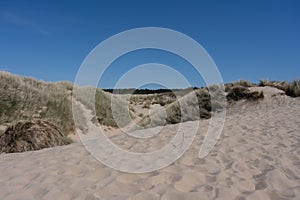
(23, 98)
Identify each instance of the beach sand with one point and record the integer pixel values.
(257, 157)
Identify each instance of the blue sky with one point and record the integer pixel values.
(250, 40)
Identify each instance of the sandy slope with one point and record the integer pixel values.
(257, 157)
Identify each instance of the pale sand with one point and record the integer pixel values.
(257, 157)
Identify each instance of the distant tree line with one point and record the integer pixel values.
(144, 91)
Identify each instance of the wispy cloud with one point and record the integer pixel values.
(21, 21)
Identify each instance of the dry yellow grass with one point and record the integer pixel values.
(31, 136)
(193, 106)
(23, 98)
(290, 88)
(27, 99)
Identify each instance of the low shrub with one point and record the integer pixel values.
(237, 93)
(291, 89)
(242, 83)
(31, 136)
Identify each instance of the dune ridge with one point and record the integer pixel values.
(257, 157)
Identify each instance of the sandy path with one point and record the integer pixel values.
(257, 157)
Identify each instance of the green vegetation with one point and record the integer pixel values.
(193, 106)
(24, 98)
(134, 91)
(101, 102)
(163, 99)
(29, 107)
(28, 99)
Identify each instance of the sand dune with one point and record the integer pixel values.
(257, 157)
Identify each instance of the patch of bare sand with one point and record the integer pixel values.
(257, 157)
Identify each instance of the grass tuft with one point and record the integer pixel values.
(27, 99)
(237, 93)
(31, 136)
(291, 89)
